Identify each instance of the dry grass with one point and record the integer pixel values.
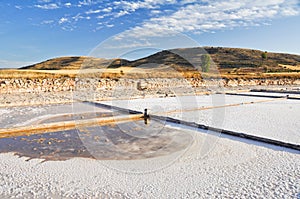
(70, 63)
(13, 73)
(123, 72)
(136, 73)
(295, 68)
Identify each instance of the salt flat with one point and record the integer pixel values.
(277, 120)
(27, 115)
(212, 165)
(272, 118)
(230, 168)
(182, 103)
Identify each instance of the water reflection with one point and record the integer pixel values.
(124, 141)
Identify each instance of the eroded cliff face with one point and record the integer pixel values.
(36, 85)
(151, 84)
(65, 90)
(261, 82)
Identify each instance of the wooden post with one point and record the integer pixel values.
(146, 113)
(146, 116)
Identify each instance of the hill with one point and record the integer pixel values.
(70, 63)
(227, 60)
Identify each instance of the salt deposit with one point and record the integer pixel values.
(21, 116)
(278, 119)
(212, 166)
(232, 168)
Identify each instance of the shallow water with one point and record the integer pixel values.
(23, 116)
(130, 140)
(49, 146)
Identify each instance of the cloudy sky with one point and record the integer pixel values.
(33, 31)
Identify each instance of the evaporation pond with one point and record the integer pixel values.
(121, 141)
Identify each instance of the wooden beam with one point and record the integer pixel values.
(68, 125)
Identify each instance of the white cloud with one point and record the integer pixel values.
(108, 9)
(187, 1)
(68, 28)
(47, 21)
(44, 1)
(155, 12)
(146, 4)
(110, 25)
(215, 15)
(289, 12)
(63, 20)
(77, 17)
(124, 7)
(87, 3)
(122, 13)
(178, 15)
(18, 7)
(50, 6)
(68, 4)
(92, 12)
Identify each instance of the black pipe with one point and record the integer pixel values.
(228, 132)
(274, 91)
(203, 127)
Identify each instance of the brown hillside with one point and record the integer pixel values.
(70, 63)
(225, 59)
(237, 57)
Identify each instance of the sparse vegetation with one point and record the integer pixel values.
(205, 62)
(7, 74)
(264, 55)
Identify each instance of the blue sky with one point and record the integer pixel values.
(33, 31)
